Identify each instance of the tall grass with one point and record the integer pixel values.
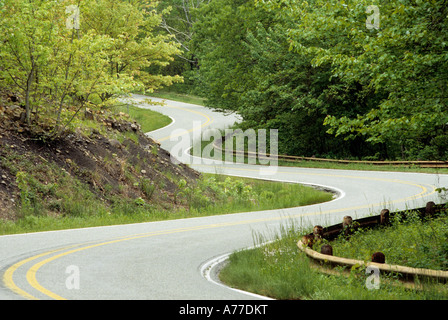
(69, 203)
(277, 269)
(149, 120)
(415, 242)
(232, 194)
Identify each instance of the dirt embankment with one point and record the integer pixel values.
(121, 162)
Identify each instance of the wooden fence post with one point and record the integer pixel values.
(384, 216)
(379, 257)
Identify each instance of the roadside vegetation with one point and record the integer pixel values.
(170, 94)
(57, 66)
(279, 270)
(106, 172)
(244, 158)
(50, 199)
(147, 119)
(415, 242)
(342, 89)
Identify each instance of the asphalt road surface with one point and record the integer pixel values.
(174, 260)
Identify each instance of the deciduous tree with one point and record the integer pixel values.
(60, 61)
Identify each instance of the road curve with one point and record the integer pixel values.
(166, 260)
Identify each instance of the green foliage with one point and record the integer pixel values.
(331, 85)
(400, 69)
(277, 269)
(219, 34)
(57, 71)
(140, 201)
(412, 242)
(217, 194)
(148, 187)
(249, 67)
(25, 195)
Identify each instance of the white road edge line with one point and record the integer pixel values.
(206, 271)
(207, 267)
(173, 121)
(339, 193)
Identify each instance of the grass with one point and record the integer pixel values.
(51, 199)
(232, 195)
(361, 167)
(149, 120)
(279, 270)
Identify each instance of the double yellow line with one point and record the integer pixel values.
(50, 256)
(207, 122)
(31, 273)
(8, 277)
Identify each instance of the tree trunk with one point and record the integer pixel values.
(29, 83)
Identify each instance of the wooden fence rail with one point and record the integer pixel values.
(326, 259)
(286, 158)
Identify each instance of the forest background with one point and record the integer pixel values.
(355, 79)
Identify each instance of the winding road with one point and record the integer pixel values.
(175, 260)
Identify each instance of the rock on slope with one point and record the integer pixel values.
(120, 162)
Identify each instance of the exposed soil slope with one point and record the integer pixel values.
(131, 169)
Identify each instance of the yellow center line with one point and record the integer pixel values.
(32, 272)
(206, 123)
(8, 277)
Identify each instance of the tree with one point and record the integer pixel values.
(135, 45)
(219, 44)
(400, 67)
(179, 22)
(247, 66)
(54, 63)
(24, 48)
(337, 78)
